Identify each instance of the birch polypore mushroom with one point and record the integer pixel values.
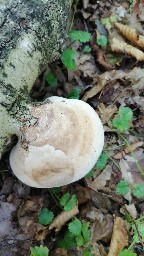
(62, 147)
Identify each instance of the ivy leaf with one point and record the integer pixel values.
(75, 227)
(39, 251)
(87, 252)
(86, 49)
(45, 216)
(51, 79)
(68, 58)
(78, 35)
(86, 232)
(127, 253)
(122, 188)
(74, 93)
(64, 199)
(125, 113)
(71, 203)
(68, 241)
(102, 161)
(139, 191)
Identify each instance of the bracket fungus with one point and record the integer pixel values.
(62, 147)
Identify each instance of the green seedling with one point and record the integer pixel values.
(74, 94)
(78, 235)
(45, 216)
(102, 161)
(122, 188)
(68, 58)
(68, 202)
(86, 49)
(81, 36)
(51, 79)
(122, 123)
(39, 251)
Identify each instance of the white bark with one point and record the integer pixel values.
(31, 34)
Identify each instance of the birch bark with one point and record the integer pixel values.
(31, 34)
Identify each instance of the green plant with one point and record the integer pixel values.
(127, 253)
(45, 216)
(78, 235)
(102, 161)
(74, 93)
(100, 164)
(86, 49)
(68, 202)
(39, 251)
(138, 191)
(122, 123)
(68, 55)
(131, 6)
(68, 58)
(122, 188)
(81, 36)
(51, 79)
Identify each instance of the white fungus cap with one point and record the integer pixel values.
(62, 147)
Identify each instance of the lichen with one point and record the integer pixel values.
(32, 32)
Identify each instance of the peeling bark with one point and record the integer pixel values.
(31, 34)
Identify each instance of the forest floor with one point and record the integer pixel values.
(109, 75)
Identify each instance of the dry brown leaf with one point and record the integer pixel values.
(41, 232)
(101, 201)
(62, 218)
(132, 210)
(126, 150)
(101, 180)
(128, 32)
(119, 237)
(100, 58)
(122, 47)
(92, 92)
(101, 81)
(102, 230)
(133, 146)
(82, 194)
(106, 112)
(131, 34)
(59, 252)
(98, 249)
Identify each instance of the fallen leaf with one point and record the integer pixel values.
(106, 112)
(132, 210)
(122, 47)
(131, 34)
(119, 237)
(101, 180)
(126, 150)
(62, 218)
(102, 230)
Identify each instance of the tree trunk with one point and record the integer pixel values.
(31, 34)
